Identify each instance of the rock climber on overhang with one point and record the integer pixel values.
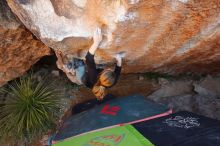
(88, 74)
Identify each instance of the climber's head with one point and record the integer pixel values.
(106, 79)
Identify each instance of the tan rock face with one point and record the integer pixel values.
(18, 49)
(171, 36)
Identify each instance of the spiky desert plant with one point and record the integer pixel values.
(30, 109)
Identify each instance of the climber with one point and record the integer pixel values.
(87, 73)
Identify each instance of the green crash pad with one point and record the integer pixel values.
(125, 135)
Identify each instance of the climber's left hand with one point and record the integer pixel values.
(97, 36)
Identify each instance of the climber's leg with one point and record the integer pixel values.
(79, 66)
(77, 63)
(80, 72)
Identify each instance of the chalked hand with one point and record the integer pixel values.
(119, 57)
(97, 36)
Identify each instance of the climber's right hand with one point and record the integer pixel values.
(119, 56)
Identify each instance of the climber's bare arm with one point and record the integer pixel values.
(97, 38)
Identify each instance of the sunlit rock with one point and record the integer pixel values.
(169, 36)
(19, 50)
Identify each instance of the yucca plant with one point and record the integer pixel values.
(30, 109)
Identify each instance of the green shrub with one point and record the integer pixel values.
(30, 109)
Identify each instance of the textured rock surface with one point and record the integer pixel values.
(175, 88)
(169, 36)
(18, 49)
(209, 107)
(186, 94)
(209, 87)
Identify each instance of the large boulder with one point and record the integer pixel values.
(19, 50)
(208, 87)
(171, 36)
